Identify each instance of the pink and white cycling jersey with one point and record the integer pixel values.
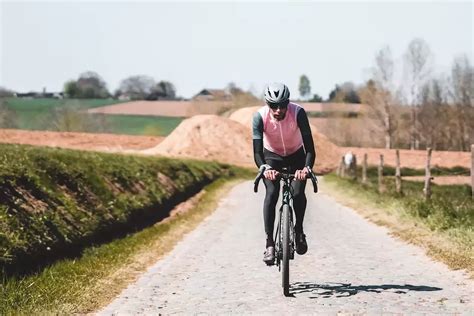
(281, 137)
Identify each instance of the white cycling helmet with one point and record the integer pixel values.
(277, 93)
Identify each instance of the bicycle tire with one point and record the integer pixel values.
(285, 271)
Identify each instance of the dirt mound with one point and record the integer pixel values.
(83, 141)
(327, 153)
(244, 115)
(208, 137)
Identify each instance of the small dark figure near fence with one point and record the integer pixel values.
(350, 165)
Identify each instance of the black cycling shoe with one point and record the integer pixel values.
(301, 245)
(269, 256)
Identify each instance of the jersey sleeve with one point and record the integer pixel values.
(257, 126)
(257, 136)
(303, 124)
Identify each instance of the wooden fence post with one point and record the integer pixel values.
(398, 176)
(427, 188)
(380, 175)
(341, 167)
(364, 170)
(472, 170)
(354, 167)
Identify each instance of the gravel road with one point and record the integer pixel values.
(352, 267)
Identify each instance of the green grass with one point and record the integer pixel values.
(142, 125)
(450, 206)
(84, 284)
(68, 115)
(56, 201)
(437, 171)
(39, 114)
(20, 104)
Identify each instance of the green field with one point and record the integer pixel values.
(42, 105)
(69, 115)
(142, 125)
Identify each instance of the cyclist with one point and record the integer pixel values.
(282, 138)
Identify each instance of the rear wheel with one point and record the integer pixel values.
(285, 230)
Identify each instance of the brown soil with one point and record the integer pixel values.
(442, 180)
(84, 141)
(208, 137)
(415, 159)
(164, 108)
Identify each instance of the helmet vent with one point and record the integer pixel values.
(276, 93)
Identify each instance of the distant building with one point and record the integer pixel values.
(35, 95)
(212, 95)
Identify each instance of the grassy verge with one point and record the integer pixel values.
(55, 202)
(91, 281)
(443, 226)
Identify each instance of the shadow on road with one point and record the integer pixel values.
(347, 289)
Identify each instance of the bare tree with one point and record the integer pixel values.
(304, 87)
(378, 95)
(137, 87)
(164, 90)
(7, 116)
(90, 85)
(434, 115)
(417, 67)
(462, 95)
(6, 93)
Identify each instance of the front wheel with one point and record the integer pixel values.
(285, 230)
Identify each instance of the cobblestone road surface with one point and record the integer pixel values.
(352, 266)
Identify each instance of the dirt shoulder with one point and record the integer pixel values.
(83, 141)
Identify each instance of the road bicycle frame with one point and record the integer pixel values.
(287, 199)
(285, 234)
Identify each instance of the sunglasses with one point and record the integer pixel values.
(281, 106)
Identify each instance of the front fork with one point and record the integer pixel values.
(279, 238)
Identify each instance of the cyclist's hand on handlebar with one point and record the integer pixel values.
(301, 174)
(271, 174)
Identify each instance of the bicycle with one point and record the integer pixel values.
(285, 233)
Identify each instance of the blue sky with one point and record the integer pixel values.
(199, 45)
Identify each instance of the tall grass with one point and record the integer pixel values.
(450, 207)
